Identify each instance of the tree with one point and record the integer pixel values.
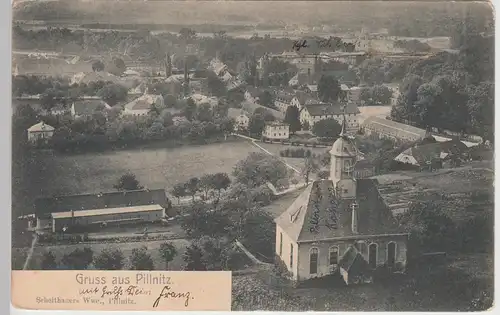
(78, 259)
(258, 169)
(128, 181)
(167, 252)
(193, 186)
(221, 181)
(190, 109)
(266, 99)
(113, 93)
(310, 166)
(97, 66)
(327, 128)
(292, 118)
(179, 191)
(216, 86)
(109, 259)
(204, 113)
(48, 261)
(117, 66)
(328, 89)
(258, 121)
(193, 259)
(140, 259)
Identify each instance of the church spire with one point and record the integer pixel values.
(343, 131)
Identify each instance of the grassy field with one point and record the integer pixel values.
(47, 174)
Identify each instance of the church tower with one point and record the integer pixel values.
(343, 158)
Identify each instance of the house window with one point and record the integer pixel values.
(281, 244)
(291, 256)
(391, 254)
(333, 257)
(313, 261)
(372, 255)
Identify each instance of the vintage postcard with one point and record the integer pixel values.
(252, 155)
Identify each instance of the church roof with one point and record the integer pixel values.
(318, 213)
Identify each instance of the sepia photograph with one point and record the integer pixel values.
(332, 155)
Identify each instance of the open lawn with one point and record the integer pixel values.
(297, 163)
(48, 173)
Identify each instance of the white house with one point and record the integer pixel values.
(312, 113)
(241, 118)
(40, 131)
(142, 105)
(276, 130)
(283, 100)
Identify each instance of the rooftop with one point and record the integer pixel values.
(318, 213)
(144, 102)
(115, 199)
(40, 127)
(320, 109)
(87, 107)
(95, 212)
(386, 125)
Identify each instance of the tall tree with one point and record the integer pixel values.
(328, 89)
(193, 186)
(258, 169)
(179, 191)
(109, 259)
(140, 259)
(79, 259)
(128, 181)
(221, 181)
(310, 166)
(167, 252)
(327, 128)
(292, 118)
(193, 259)
(113, 93)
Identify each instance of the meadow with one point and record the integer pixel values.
(48, 173)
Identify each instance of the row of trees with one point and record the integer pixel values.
(209, 185)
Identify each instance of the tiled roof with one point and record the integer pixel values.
(330, 109)
(144, 102)
(92, 212)
(87, 107)
(318, 214)
(303, 97)
(433, 151)
(116, 199)
(390, 126)
(40, 127)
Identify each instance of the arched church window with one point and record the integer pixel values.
(391, 254)
(372, 255)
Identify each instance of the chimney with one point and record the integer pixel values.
(354, 224)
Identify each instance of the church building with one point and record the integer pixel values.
(340, 225)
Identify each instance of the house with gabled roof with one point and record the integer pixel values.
(56, 213)
(391, 129)
(316, 235)
(87, 107)
(313, 112)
